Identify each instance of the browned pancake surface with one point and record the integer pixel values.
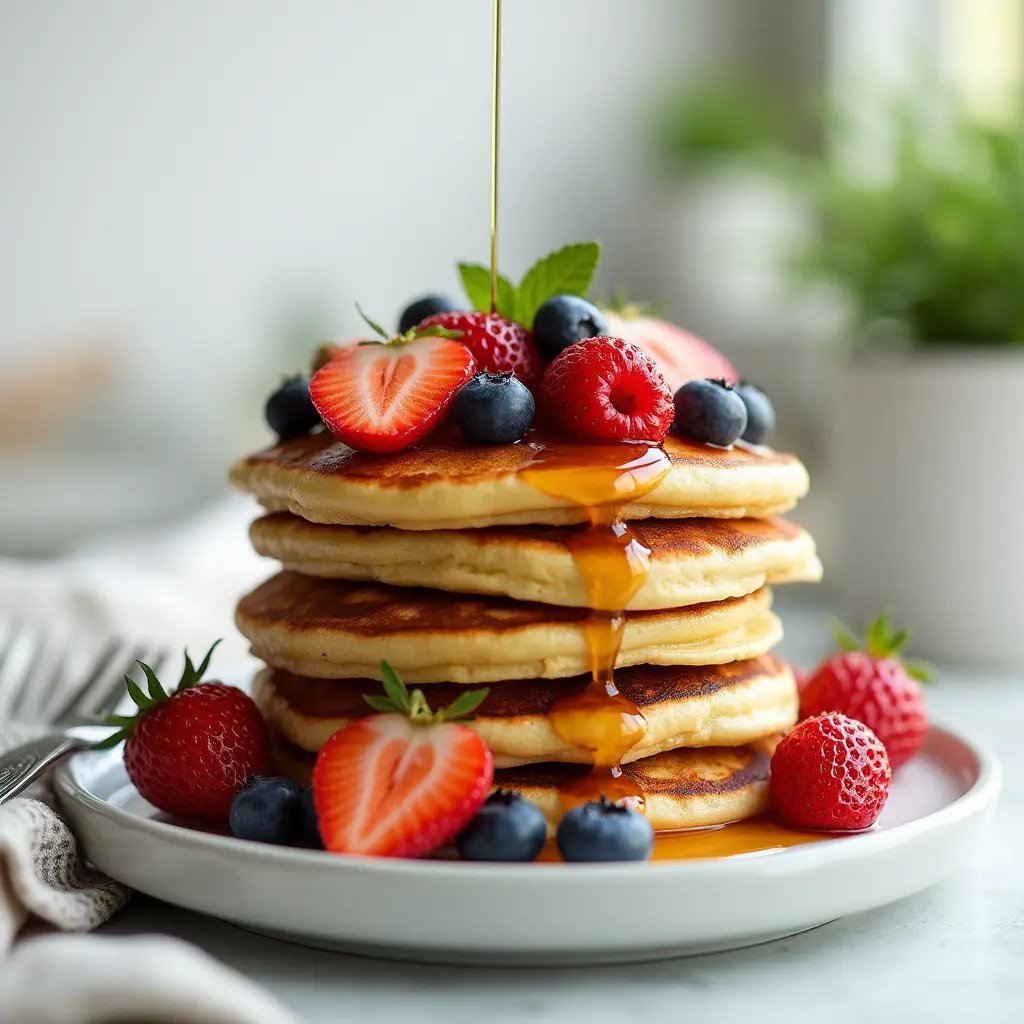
(645, 685)
(312, 603)
(680, 773)
(444, 457)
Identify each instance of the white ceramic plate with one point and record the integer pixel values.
(543, 914)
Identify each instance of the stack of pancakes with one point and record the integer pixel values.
(448, 562)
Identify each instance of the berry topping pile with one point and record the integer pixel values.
(830, 773)
(606, 389)
(402, 782)
(190, 751)
(869, 682)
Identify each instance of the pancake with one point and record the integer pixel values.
(726, 705)
(342, 630)
(682, 788)
(692, 561)
(444, 484)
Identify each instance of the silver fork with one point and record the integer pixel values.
(28, 688)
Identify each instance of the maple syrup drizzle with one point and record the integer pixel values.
(603, 479)
(763, 834)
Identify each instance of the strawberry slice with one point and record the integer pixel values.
(403, 782)
(383, 396)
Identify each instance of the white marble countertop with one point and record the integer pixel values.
(953, 953)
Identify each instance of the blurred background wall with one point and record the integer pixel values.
(193, 193)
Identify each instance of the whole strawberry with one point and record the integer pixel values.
(869, 682)
(497, 343)
(190, 752)
(606, 389)
(830, 773)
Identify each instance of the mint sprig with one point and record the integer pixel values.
(569, 270)
(399, 701)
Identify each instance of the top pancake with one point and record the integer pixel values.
(445, 484)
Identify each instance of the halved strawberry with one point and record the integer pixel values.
(383, 396)
(403, 782)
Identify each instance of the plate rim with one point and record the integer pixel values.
(980, 797)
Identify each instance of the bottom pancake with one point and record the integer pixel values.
(682, 788)
(684, 706)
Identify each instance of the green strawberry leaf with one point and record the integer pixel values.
(845, 638)
(437, 331)
(156, 691)
(395, 689)
(111, 741)
(384, 705)
(463, 705)
(373, 325)
(476, 280)
(140, 700)
(919, 670)
(568, 271)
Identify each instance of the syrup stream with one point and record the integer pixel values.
(613, 564)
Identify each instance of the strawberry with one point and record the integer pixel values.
(679, 355)
(875, 687)
(402, 782)
(830, 773)
(606, 389)
(497, 344)
(190, 752)
(383, 396)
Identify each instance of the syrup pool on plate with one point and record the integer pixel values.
(762, 834)
(603, 479)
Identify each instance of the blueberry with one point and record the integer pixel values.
(604, 831)
(267, 811)
(710, 411)
(494, 408)
(309, 827)
(564, 320)
(760, 413)
(418, 311)
(290, 411)
(507, 827)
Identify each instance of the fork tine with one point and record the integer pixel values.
(105, 697)
(27, 697)
(68, 707)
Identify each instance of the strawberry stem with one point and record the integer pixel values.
(146, 701)
(399, 701)
(882, 640)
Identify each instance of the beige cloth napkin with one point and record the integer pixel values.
(176, 588)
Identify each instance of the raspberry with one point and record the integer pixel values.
(606, 389)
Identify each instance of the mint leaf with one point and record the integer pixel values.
(568, 271)
(476, 279)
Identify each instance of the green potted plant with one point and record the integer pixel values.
(927, 422)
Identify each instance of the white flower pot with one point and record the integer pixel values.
(929, 471)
